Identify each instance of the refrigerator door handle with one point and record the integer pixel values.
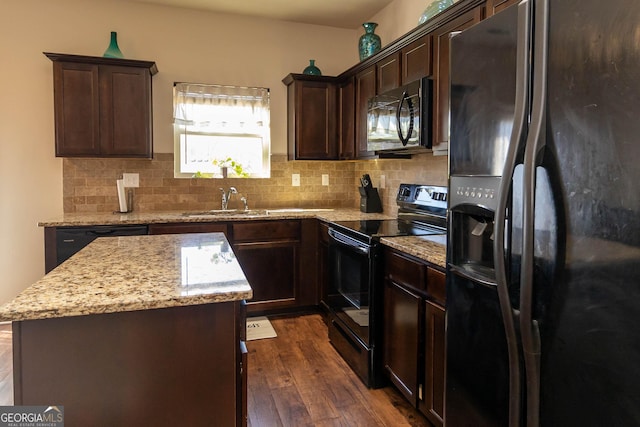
(509, 314)
(530, 333)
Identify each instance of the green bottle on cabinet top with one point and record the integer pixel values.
(312, 69)
(113, 51)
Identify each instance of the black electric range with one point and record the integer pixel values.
(354, 293)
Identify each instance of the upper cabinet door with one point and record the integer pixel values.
(346, 119)
(77, 112)
(311, 110)
(416, 60)
(441, 72)
(102, 106)
(365, 89)
(388, 73)
(126, 125)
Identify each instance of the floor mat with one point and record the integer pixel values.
(259, 328)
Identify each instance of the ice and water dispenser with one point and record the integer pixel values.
(471, 228)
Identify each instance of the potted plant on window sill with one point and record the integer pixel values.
(229, 165)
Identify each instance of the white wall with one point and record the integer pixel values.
(186, 45)
(398, 18)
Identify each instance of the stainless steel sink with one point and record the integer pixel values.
(250, 212)
(225, 212)
(295, 210)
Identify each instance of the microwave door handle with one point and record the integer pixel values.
(403, 98)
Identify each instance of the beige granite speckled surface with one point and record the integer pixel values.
(77, 219)
(135, 273)
(432, 249)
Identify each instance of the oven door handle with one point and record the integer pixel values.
(348, 242)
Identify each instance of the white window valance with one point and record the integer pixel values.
(222, 109)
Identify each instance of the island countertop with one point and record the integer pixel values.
(129, 273)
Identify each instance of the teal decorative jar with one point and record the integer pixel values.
(113, 51)
(369, 42)
(433, 9)
(312, 69)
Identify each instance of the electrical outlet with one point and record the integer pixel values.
(131, 179)
(325, 179)
(295, 180)
(383, 181)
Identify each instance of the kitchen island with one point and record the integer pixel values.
(136, 330)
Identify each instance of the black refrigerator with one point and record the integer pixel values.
(543, 256)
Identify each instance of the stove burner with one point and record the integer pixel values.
(422, 210)
(376, 228)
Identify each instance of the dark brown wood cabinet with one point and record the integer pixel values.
(346, 119)
(494, 6)
(432, 401)
(103, 106)
(270, 254)
(168, 366)
(365, 82)
(402, 309)
(414, 353)
(441, 71)
(323, 263)
(416, 60)
(388, 72)
(311, 117)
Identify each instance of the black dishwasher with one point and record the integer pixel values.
(70, 240)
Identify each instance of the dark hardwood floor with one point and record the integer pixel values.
(296, 379)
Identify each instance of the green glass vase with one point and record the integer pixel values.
(312, 69)
(369, 42)
(113, 51)
(433, 9)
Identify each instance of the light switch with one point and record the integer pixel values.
(295, 180)
(325, 179)
(383, 181)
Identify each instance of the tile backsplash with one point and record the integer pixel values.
(89, 185)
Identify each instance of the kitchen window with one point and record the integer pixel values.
(221, 131)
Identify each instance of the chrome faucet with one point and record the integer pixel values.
(227, 196)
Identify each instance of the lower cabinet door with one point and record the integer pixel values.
(431, 403)
(401, 338)
(271, 269)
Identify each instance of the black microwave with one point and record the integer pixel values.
(399, 121)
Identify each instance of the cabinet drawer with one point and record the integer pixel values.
(436, 285)
(265, 230)
(181, 228)
(405, 272)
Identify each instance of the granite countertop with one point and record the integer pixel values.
(114, 274)
(86, 219)
(432, 249)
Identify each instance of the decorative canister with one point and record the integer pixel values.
(369, 42)
(113, 51)
(312, 69)
(433, 9)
